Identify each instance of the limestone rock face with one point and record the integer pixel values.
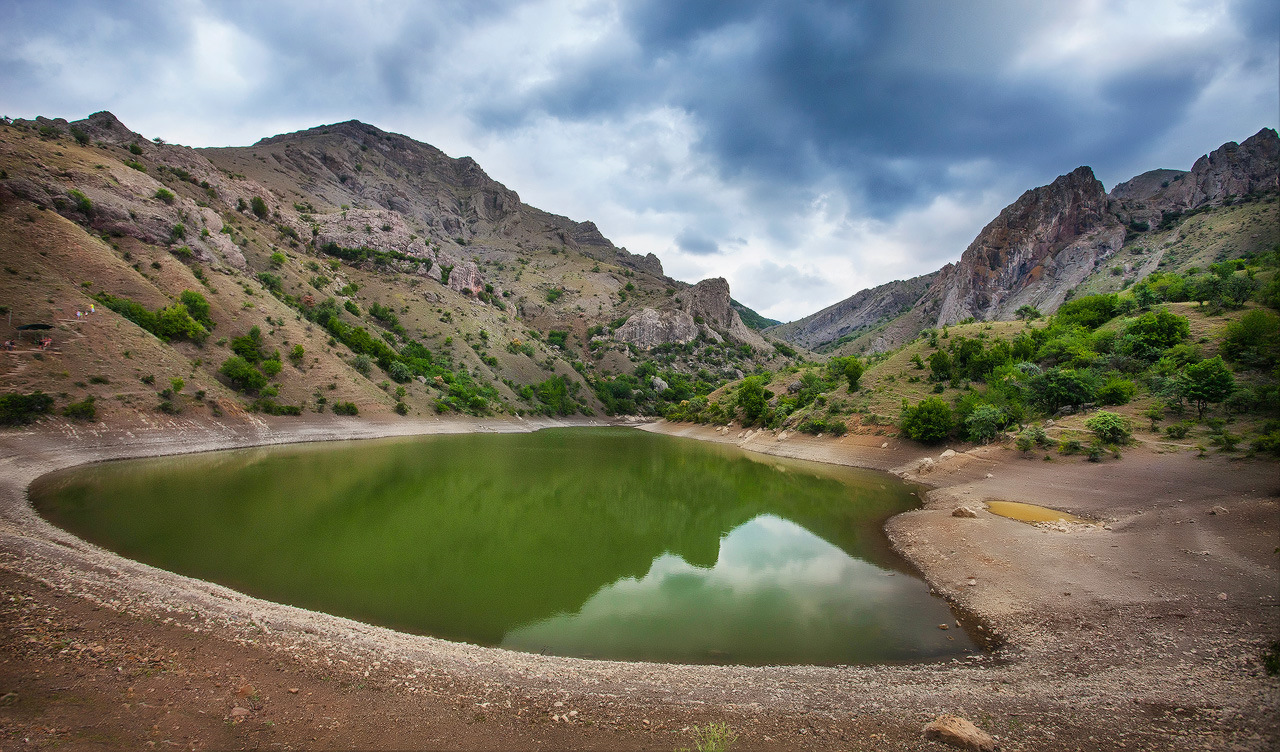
(709, 301)
(651, 327)
(1231, 170)
(1036, 250)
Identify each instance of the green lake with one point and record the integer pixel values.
(596, 543)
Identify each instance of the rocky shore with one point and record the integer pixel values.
(1144, 631)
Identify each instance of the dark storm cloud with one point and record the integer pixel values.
(694, 242)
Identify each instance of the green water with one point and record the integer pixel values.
(603, 543)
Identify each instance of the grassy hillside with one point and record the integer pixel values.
(1184, 373)
(86, 222)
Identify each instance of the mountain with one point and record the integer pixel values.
(400, 278)
(1044, 245)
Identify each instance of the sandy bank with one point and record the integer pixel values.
(1109, 629)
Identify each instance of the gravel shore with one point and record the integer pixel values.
(1145, 631)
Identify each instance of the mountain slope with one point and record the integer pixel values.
(1055, 238)
(401, 279)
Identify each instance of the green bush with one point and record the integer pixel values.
(984, 423)
(83, 204)
(165, 195)
(930, 421)
(242, 375)
(20, 409)
(1117, 391)
(249, 346)
(1109, 428)
(259, 207)
(400, 372)
(271, 367)
(1254, 340)
(345, 408)
(296, 355)
(1206, 382)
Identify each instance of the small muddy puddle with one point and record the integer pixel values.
(1017, 510)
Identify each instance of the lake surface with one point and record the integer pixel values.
(599, 543)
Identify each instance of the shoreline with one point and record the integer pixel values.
(1013, 577)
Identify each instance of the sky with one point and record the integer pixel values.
(802, 149)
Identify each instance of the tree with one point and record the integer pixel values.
(1254, 339)
(1109, 428)
(1060, 387)
(940, 365)
(1027, 313)
(1206, 382)
(984, 423)
(928, 422)
(753, 399)
(259, 207)
(197, 306)
(1156, 331)
(853, 370)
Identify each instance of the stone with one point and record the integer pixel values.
(658, 384)
(239, 712)
(959, 732)
(971, 582)
(1222, 596)
(989, 475)
(948, 454)
(1218, 510)
(964, 512)
(925, 466)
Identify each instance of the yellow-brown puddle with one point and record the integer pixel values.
(1016, 510)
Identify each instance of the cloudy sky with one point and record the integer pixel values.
(804, 149)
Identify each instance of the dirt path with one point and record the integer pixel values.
(101, 652)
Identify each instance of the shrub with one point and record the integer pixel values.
(83, 204)
(929, 421)
(1070, 446)
(135, 149)
(197, 307)
(175, 322)
(345, 408)
(80, 136)
(553, 294)
(271, 367)
(753, 400)
(853, 370)
(1109, 428)
(1177, 430)
(242, 375)
(82, 410)
(400, 372)
(363, 364)
(20, 409)
(1254, 340)
(277, 259)
(249, 346)
(1117, 391)
(259, 207)
(296, 355)
(402, 408)
(1057, 388)
(984, 423)
(165, 195)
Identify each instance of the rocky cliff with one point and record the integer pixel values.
(704, 309)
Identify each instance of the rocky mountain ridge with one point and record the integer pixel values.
(1042, 246)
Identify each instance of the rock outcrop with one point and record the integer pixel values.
(852, 316)
(1037, 249)
(703, 309)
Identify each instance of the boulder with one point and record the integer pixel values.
(959, 732)
(964, 512)
(948, 454)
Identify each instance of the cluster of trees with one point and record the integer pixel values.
(186, 318)
(754, 404)
(1102, 349)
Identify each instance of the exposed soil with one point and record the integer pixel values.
(1144, 632)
